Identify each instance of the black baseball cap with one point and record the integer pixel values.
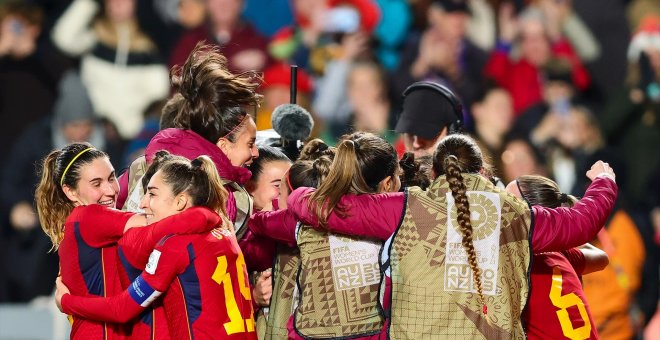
(425, 113)
(453, 5)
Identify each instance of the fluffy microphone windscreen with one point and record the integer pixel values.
(292, 122)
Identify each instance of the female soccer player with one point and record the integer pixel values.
(267, 173)
(203, 276)
(557, 307)
(459, 252)
(75, 200)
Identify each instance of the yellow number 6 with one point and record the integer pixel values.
(565, 301)
(236, 322)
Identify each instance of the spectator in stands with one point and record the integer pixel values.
(28, 268)
(120, 64)
(443, 54)
(492, 112)
(239, 42)
(631, 118)
(366, 96)
(28, 79)
(541, 122)
(521, 158)
(541, 41)
(276, 90)
(325, 31)
(166, 20)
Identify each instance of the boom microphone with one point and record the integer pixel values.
(294, 125)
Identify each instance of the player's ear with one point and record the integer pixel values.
(181, 202)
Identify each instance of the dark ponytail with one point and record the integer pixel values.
(213, 99)
(539, 190)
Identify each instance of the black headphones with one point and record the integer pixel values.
(455, 126)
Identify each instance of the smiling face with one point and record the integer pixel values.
(267, 186)
(97, 184)
(159, 201)
(243, 150)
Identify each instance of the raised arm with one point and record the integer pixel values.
(373, 216)
(585, 218)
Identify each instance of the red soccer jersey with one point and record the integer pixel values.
(88, 263)
(134, 248)
(557, 306)
(207, 292)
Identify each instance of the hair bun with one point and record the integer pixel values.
(563, 198)
(196, 163)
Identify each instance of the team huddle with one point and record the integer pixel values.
(359, 244)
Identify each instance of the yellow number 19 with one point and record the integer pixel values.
(565, 301)
(236, 322)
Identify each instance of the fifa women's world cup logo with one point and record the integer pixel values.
(485, 213)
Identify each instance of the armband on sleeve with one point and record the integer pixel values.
(142, 293)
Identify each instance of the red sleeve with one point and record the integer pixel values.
(278, 225)
(586, 218)
(374, 216)
(259, 251)
(137, 243)
(101, 226)
(579, 73)
(498, 67)
(120, 308)
(576, 259)
(165, 263)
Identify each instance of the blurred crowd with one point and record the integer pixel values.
(547, 86)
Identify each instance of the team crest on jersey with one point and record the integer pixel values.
(153, 262)
(485, 215)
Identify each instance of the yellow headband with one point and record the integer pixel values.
(71, 163)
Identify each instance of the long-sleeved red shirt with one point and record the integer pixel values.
(205, 285)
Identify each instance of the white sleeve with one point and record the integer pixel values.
(72, 32)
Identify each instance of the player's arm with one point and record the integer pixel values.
(586, 218)
(100, 226)
(138, 243)
(594, 259)
(375, 216)
(164, 265)
(278, 225)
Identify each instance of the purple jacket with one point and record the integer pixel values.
(378, 216)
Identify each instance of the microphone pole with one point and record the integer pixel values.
(294, 84)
